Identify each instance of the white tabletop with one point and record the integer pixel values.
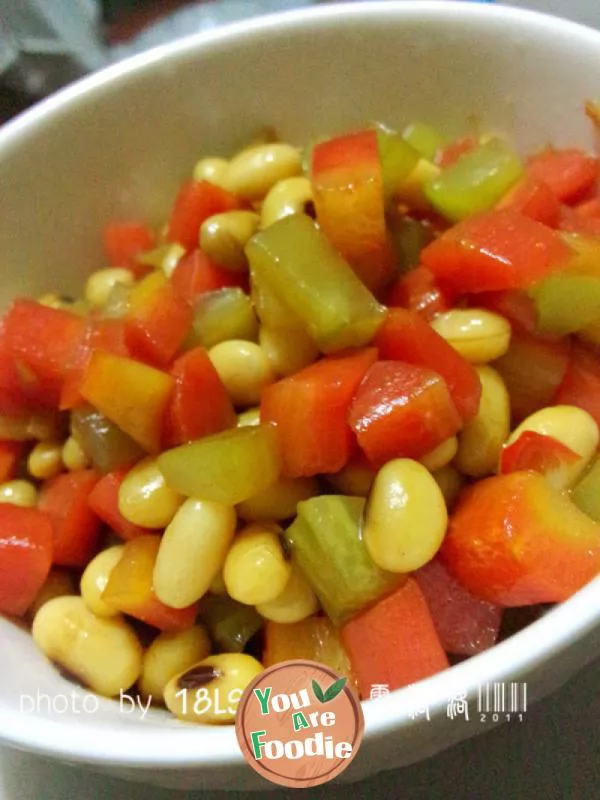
(552, 754)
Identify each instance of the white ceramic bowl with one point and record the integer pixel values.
(120, 141)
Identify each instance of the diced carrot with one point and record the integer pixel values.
(534, 199)
(195, 202)
(196, 274)
(418, 291)
(75, 526)
(405, 336)
(498, 250)
(199, 404)
(10, 455)
(394, 642)
(569, 173)
(25, 556)
(124, 240)
(104, 502)
(310, 410)
(512, 304)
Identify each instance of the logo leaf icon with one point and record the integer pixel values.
(335, 689)
(318, 692)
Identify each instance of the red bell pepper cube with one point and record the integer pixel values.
(44, 341)
(347, 185)
(590, 209)
(104, 502)
(124, 240)
(402, 410)
(106, 335)
(75, 526)
(310, 410)
(394, 642)
(501, 249)
(465, 624)
(450, 153)
(512, 304)
(196, 274)
(25, 556)
(158, 320)
(10, 455)
(195, 202)
(134, 396)
(570, 174)
(536, 452)
(199, 404)
(514, 540)
(533, 369)
(405, 336)
(534, 199)
(418, 291)
(581, 383)
(574, 222)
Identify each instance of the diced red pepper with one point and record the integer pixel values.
(402, 410)
(533, 369)
(394, 642)
(498, 250)
(44, 341)
(106, 335)
(581, 384)
(104, 502)
(25, 556)
(418, 291)
(199, 404)
(573, 221)
(465, 624)
(195, 202)
(310, 410)
(10, 455)
(515, 306)
(590, 209)
(196, 274)
(158, 320)
(568, 173)
(75, 526)
(450, 153)
(405, 336)
(124, 240)
(534, 199)
(347, 184)
(536, 452)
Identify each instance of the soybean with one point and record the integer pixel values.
(192, 551)
(289, 196)
(95, 579)
(480, 441)
(104, 654)
(256, 570)
(244, 369)
(45, 460)
(295, 603)
(478, 335)
(19, 493)
(209, 692)
(144, 497)
(213, 170)
(169, 655)
(406, 518)
(100, 284)
(223, 238)
(441, 455)
(253, 172)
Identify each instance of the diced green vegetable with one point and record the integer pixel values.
(104, 443)
(231, 624)
(398, 160)
(586, 495)
(222, 315)
(294, 261)
(326, 541)
(227, 468)
(476, 182)
(567, 303)
(410, 236)
(425, 139)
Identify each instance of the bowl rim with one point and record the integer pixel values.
(117, 745)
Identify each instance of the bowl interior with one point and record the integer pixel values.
(120, 142)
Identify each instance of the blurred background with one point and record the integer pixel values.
(46, 44)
